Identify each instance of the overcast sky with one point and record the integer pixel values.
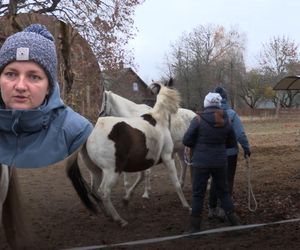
(162, 22)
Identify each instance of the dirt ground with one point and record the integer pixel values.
(60, 221)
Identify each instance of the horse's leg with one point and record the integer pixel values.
(129, 192)
(95, 172)
(182, 166)
(147, 184)
(4, 183)
(170, 164)
(18, 234)
(95, 181)
(108, 182)
(126, 183)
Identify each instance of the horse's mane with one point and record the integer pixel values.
(126, 107)
(167, 102)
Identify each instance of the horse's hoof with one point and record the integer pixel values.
(188, 208)
(146, 196)
(123, 223)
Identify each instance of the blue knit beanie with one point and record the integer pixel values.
(34, 43)
(222, 92)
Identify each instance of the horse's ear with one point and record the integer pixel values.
(103, 102)
(170, 83)
(154, 88)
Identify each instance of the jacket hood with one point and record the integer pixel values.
(224, 104)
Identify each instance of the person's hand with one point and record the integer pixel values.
(247, 153)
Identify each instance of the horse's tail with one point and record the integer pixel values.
(15, 225)
(81, 186)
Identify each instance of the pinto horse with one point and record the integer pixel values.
(115, 105)
(119, 144)
(12, 216)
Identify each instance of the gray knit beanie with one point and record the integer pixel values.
(34, 43)
(212, 100)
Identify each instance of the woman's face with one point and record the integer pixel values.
(24, 85)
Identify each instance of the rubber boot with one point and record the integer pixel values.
(194, 225)
(220, 214)
(212, 212)
(233, 219)
(216, 213)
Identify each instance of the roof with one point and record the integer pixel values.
(288, 83)
(117, 74)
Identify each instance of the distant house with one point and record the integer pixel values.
(126, 83)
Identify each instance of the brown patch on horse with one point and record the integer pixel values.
(149, 118)
(131, 150)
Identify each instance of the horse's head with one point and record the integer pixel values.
(155, 86)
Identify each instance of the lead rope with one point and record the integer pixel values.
(187, 156)
(250, 190)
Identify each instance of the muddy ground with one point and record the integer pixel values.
(60, 221)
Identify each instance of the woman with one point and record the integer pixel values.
(208, 135)
(232, 154)
(36, 128)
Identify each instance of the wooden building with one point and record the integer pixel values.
(126, 83)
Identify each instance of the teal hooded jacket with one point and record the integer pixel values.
(43, 136)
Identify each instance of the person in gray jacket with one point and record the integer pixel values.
(36, 128)
(232, 154)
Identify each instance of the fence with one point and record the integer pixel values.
(289, 113)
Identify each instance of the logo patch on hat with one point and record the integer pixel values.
(22, 54)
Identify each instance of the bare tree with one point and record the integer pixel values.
(183, 71)
(205, 57)
(277, 55)
(251, 90)
(279, 58)
(106, 25)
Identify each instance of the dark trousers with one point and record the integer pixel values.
(231, 168)
(200, 178)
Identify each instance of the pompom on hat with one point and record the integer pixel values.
(221, 91)
(212, 100)
(34, 43)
